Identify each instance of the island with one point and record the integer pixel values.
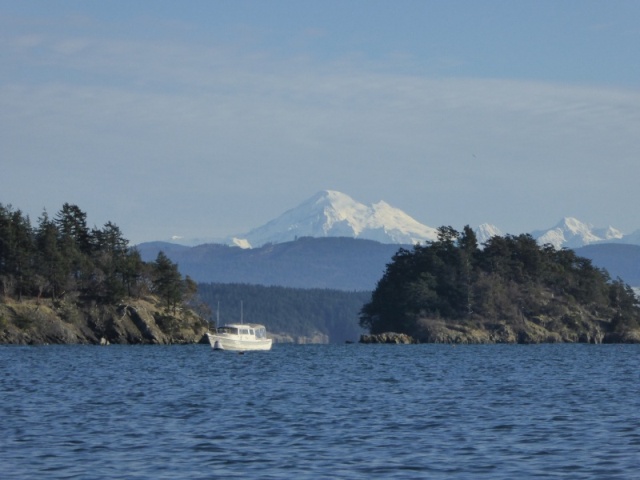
(509, 290)
(62, 282)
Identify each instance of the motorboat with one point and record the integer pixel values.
(240, 337)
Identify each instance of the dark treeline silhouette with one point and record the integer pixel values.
(62, 257)
(512, 279)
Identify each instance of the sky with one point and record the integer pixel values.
(203, 119)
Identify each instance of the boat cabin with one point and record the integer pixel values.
(250, 329)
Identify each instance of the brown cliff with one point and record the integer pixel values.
(134, 321)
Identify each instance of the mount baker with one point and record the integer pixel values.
(334, 214)
(324, 256)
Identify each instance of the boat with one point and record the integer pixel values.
(240, 337)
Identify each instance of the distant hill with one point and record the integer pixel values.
(334, 262)
(620, 260)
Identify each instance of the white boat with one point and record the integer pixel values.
(240, 337)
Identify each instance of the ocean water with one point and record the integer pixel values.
(315, 412)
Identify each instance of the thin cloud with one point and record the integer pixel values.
(211, 122)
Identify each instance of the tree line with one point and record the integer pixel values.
(293, 311)
(62, 257)
(511, 278)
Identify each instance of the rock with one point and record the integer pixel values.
(139, 321)
(388, 337)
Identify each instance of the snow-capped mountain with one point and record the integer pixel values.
(485, 231)
(334, 214)
(572, 233)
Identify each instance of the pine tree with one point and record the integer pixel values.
(111, 251)
(167, 281)
(51, 264)
(16, 251)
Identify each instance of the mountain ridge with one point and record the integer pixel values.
(571, 233)
(339, 263)
(335, 263)
(330, 213)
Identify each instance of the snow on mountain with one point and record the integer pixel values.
(334, 214)
(485, 231)
(572, 233)
(609, 233)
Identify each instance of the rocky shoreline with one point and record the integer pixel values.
(528, 333)
(388, 337)
(134, 321)
(147, 321)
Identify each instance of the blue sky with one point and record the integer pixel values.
(209, 118)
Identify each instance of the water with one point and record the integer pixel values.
(313, 412)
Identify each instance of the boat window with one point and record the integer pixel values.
(261, 333)
(251, 332)
(244, 331)
(229, 330)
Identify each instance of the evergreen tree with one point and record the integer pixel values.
(468, 247)
(132, 271)
(167, 281)
(111, 256)
(16, 251)
(74, 243)
(72, 226)
(51, 264)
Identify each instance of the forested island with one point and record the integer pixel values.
(62, 282)
(510, 291)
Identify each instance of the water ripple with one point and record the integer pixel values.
(313, 412)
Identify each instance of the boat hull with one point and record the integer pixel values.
(221, 342)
